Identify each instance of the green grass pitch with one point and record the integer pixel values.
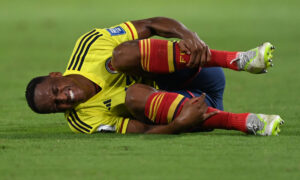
(37, 37)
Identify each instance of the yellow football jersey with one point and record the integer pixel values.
(91, 58)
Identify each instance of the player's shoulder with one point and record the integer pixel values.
(121, 32)
(123, 29)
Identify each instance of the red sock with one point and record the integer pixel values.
(226, 120)
(222, 59)
(162, 56)
(218, 59)
(163, 107)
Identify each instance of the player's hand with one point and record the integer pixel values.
(191, 44)
(193, 113)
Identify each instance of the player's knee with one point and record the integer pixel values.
(136, 97)
(131, 99)
(117, 58)
(126, 56)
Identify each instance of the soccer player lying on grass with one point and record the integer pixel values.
(111, 82)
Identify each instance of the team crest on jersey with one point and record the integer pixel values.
(116, 31)
(109, 67)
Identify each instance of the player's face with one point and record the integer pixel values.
(58, 94)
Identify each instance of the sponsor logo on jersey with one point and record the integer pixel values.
(116, 31)
(109, 67)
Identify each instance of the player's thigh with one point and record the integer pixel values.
(215, 102)
(212, 82)
(177, 80)
(209, 80)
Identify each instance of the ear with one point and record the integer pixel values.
(55, 74)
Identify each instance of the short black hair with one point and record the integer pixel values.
(30, 90)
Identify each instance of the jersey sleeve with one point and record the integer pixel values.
(104, 122)
(123, 32)
(93, 51)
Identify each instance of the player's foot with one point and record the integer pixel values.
(256, 60)
(265, 125)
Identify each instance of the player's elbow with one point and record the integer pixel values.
(126, 56)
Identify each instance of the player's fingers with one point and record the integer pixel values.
(202, 53)
(202, 102)
(198, 104)
(198, 54)
(203, 56)
(194, 100)
(205, 53)
(203, 107)
(208, 55)
(187, 48)
(192, 60)
(183, 47)
(208, 115)
(202, 97)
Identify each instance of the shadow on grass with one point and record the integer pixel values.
(62, 133)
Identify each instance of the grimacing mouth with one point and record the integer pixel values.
(71, 94)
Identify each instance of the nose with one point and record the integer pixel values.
(61, 97)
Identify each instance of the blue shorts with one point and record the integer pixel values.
(191, 83)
